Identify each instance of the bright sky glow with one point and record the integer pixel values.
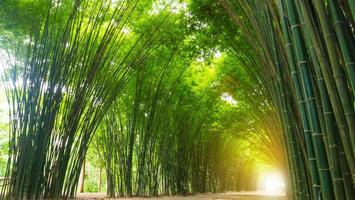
(177, 7)
(3, 60)
(174, 5)
(126, 30)
(217, 54)
(228, 98)
(272, 184)
(200, 59)
(114, 2)
(4, 107)
(57, 3)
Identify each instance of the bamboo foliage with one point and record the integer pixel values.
(59, 87)
(308, 47)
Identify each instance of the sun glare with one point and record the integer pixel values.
(272, 184)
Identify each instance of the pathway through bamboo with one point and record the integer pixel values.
(222, 196)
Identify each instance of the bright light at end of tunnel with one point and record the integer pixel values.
(272, 184)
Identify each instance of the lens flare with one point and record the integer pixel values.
(272, 184)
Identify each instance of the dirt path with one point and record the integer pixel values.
(222, 196)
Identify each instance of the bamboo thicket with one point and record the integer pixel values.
(308, 47)
(60, 84)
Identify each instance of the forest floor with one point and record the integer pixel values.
(221, 196)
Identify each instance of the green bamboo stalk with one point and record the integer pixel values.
(341, 86)
(318, 145)
(301, 103)
(352, 8)
(299, 180)
(347, 47)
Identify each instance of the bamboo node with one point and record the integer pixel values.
(310, 98)
(329, 35)
(338, 76)
(294, 73)
(295, 26)
(349, 113)
(338, 22)
(317, 134)
(316, 186)
(349, 63)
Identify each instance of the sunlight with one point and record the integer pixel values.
(4, 106)
(228, 98)
(217, 54)
(126, 30)
(272, 184)
(3, 60)
(175, 7)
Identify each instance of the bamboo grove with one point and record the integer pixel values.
(65, 92)
(178, 97)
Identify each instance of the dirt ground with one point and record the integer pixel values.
(222, 196)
